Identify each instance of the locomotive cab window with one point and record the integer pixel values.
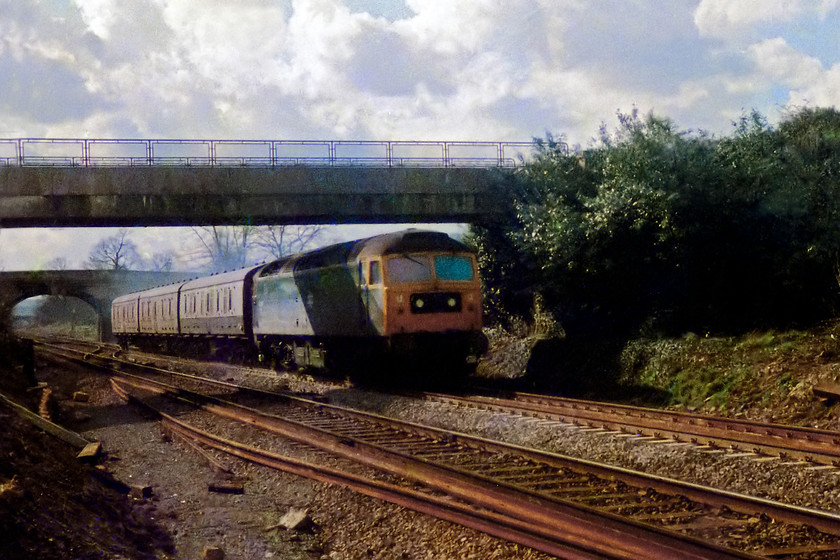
(409, 268)
(455, 268)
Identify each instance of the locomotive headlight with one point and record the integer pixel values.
(400, 298)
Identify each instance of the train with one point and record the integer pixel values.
(407, 300)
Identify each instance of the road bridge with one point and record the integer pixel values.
(96, 287)
(88, 182)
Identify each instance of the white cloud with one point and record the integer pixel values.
(727, 18)
(721, 17)
(99, 16)
(780, 62)
(426, 69)
(809, 82)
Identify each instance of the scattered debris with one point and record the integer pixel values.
(45, 406)
(11, 488)
(90, 453)
(296, 519)
(38, 387)
(139, 492)
(213, 553)
(226, 488)
(827, 392)
(81, 396)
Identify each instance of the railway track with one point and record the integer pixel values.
(746, 436)
(567, 507)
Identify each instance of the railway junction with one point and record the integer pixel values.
(248, 502)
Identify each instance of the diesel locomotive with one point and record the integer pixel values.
(408, 299)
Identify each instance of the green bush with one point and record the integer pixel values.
(656, 230)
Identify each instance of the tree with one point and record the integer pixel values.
(282, 240)
(58, 263)
(114, 253)
(221, 248)
(162, 262)
(658, 230)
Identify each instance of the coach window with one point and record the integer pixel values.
(375, 273)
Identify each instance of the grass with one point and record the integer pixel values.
(767, 374)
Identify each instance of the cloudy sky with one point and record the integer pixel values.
(495, 70)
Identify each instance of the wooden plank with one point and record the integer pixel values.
(91, 452)
(827, 391)
(55, 430)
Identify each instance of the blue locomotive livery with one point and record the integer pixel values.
(410, 298)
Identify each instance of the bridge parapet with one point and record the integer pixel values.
(83, 152)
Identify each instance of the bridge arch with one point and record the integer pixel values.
(95, 287)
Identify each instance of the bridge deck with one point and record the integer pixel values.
(137, 196)
(74, 182)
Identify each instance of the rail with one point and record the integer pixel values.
(761, 438)
(84, 152)
(571, 503)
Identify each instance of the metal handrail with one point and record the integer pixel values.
(132, 152)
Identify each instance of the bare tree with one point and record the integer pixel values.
(223, 247)
(114, 253)
(162, 262)
(279, 241)
(58, 263)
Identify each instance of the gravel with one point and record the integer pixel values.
(347, 525)
(772, 478)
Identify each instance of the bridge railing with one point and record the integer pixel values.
(83, 152)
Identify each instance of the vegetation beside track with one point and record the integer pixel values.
(764, 375)
(767, 375)
(51, 504)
